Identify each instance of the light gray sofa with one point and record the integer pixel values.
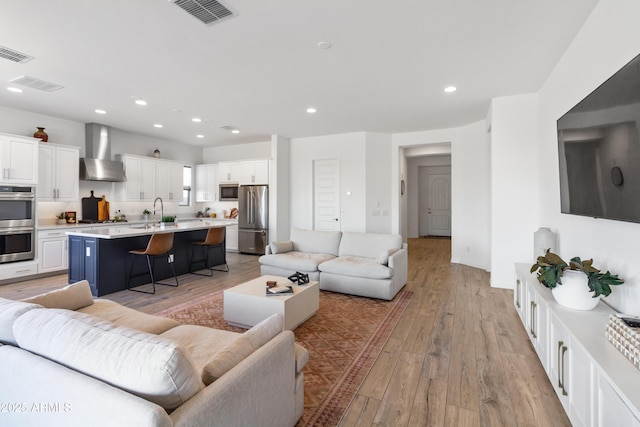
(366, 264)
(98, 363)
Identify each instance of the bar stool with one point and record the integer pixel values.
(160, 244)
(215, 238)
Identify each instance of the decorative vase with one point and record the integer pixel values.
(40, 133)
(574, 292)
(543, 239)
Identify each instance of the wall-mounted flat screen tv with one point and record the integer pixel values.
(599, 150)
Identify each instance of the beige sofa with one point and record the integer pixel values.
(366, 264)
(69, 360)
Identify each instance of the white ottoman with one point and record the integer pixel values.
(247, 304)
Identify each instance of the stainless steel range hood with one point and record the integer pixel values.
(97, 165)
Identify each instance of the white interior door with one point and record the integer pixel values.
(326, 195)
(439, 209)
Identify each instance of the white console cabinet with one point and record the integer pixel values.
(597, 386)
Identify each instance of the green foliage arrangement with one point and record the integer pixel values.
(168, 218)
(550, 268)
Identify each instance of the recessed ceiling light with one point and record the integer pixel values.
(196, 120)
(99, 111)
(235, 131)
(199, 136)
(324, 45)
(450, 89)
(14, 89)
(141, 102)
(157, 125)
(311, 110)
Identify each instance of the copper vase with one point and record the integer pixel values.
(40, 133)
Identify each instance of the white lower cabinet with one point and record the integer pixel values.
(596, 385)
(52, 251)
(11, 270)
(231, 241)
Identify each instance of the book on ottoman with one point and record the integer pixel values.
(279, 291)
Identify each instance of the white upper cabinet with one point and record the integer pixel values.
(254, 172)
(18, 159)
(228, 172)
(58, 173)
(206, 183)
(169, 180)
(141, 179)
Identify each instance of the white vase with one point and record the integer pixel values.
(574, 292)
(543, 239)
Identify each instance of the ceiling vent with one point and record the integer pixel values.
(37, 84)
(206, 11)
(14, 55)
(227, 127)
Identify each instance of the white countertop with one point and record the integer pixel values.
(108, 231)
(71, 227)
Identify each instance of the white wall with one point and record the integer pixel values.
(232, 153)
(279, 189)
(378, 170)
(608, 40)
(469, 192)
(514, 122)
(349, 149)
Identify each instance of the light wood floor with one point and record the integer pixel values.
(458, 357)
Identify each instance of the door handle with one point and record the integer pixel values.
(336, 219)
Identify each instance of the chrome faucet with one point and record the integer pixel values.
(161, 207)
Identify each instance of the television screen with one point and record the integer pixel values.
(599, 150)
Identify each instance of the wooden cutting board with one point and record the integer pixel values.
(90, 207)
(103, 209)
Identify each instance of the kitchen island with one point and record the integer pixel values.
(102, 256)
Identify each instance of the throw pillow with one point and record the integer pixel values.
(225, 359)
(241, 348)
(9, 312)
(281, 247)
(71, 297)
(383, 258)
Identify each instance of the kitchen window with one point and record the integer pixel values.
(186, 187)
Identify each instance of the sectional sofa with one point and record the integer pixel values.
(366, 264)
(69, 360)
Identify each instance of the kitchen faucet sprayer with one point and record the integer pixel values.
(161, 207)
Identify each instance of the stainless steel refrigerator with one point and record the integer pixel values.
(253, 218)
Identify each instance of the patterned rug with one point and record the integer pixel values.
(344, 339)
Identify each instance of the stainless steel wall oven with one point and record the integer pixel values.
(17, 223)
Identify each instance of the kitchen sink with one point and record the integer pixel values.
(142, 226)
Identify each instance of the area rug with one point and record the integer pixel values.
(344, 339)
